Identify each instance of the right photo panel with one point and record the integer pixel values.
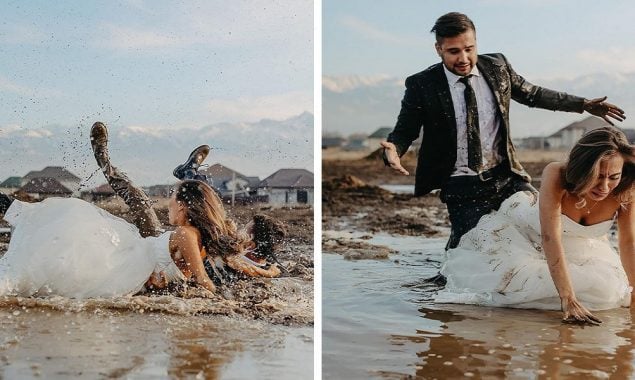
(477, 188)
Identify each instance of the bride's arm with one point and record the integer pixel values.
(186, 242)
(551, 194)
(626, 238)
(237, 263)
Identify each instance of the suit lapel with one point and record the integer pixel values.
(445, 98)
(493, 81)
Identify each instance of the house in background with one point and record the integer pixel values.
(382, 133)
(45, 187)
(332, 142)
(228, 183)
(288, 187)
(10, 185)
(532, 142)
(160, 191)
(378, 136)
(67, 179)
(357, 141)
(566, 137)
(99, 193)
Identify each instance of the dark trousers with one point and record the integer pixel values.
(468, 198)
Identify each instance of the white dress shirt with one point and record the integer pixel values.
(488, 121)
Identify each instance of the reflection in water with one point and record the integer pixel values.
(191, 353)
(487, 342)
(375, 309)
(45, 343)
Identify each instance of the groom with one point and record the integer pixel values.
(462, 103)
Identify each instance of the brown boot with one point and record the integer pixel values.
(99, 142)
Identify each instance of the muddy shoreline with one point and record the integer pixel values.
(352, 198)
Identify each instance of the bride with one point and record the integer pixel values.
(553, 252)
(69, 247)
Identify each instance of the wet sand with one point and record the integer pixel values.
(258, 328)
(375, 304)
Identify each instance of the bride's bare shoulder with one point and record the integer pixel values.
(555, 167)
(552, 174)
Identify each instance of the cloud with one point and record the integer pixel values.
(615, 58)
(235, 23)
(342, 84)
(7, 130)
(372, 32)
(129, 38)
(141, 130)
(8, 86)
(249, 109)
(39, 133)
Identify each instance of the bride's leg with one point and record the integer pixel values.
(145, 217)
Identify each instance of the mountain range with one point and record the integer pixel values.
(148, 154)
(355, 104)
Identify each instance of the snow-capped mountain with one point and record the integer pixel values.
(148, 154)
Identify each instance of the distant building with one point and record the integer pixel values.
(332, 142)
(288, 187)
(67, 179)
(382, 133)
(566, 137)
(357, 142)
(45, 187)
(378, 136)
(538, 143)
(99, 193)
(10, 185)
(228, 182)
(162, 191)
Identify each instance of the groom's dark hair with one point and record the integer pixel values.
(451, 25)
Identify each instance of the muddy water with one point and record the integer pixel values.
(41, 342)
(378, 322)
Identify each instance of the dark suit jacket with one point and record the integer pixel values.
(427, 103)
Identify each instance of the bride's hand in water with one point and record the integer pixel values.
(574, 311)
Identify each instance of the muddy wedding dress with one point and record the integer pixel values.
(71, 248)
(501, 262)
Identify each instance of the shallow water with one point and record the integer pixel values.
(40, 342)
(378, 322)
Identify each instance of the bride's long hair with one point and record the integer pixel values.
(583, 166)
(204, 211)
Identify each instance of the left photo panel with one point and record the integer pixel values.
(157, 189)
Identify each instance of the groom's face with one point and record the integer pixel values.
(458, 53)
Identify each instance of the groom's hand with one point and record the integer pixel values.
(600, 108)
(392, 158)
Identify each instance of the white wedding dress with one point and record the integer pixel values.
(501, 262)
(71, 248)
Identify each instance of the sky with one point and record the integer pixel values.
(156, 70)
(554, 42)
(171, 64)
(542, 38)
